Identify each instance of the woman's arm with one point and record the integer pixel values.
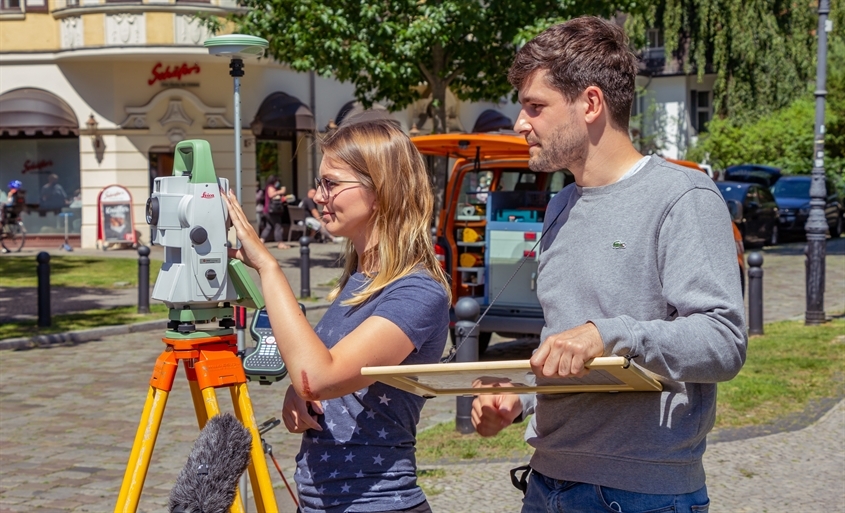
(316, 372)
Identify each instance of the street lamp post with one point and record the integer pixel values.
(816, 223)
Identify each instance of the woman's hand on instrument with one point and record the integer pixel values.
(296, 414)
(252, 251)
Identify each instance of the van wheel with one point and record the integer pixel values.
(483, 340)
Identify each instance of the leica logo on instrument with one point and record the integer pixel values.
(207, 195)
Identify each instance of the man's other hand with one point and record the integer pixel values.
(493, 413)
(564, 355)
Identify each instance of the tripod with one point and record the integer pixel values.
(211, 361)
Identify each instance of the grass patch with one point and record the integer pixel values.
(83, 320)
(331, 283)
(444, 443)
(428, 479)
(785, 369)
(75, 271)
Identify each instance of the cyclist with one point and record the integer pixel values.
(14, 199)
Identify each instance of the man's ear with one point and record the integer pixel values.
(593, 98)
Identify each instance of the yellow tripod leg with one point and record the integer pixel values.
(259, 475)
(142, 451)
(199, 406)
(212, 408)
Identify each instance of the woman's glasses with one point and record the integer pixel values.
(325, 185)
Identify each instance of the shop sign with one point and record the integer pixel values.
(36, 167)
(167, 74)
(114, 210)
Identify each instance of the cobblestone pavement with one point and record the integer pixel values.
(68, 415)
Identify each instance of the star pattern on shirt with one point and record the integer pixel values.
(359, 474)
(325, 456)
(345, 488)
(383, 399)
(382, 433)
(349, 457)
(330, 425)
(334, 474)
(371, 414)
(377, 459)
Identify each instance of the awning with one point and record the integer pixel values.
(354, 112)
(491, 121)
(28, 111)
(281, 116)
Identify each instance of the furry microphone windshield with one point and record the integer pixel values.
(218, 459)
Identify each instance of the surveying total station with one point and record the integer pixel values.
(200, 286)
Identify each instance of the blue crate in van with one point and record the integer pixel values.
(526, 216)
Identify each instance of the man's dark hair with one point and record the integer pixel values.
(582, 52)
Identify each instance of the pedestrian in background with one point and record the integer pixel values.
(313, 217)
(275, 211)
(390, 307)
(623, 271)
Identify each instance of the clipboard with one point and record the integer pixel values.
(607, 374)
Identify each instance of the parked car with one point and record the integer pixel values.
(757, 215)
(792, 194)
(766, 176)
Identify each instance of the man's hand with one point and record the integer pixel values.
(493, 413)
(564, 355)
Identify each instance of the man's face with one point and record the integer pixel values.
(556, 137)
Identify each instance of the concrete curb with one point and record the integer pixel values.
(75, 337)
(81, 335)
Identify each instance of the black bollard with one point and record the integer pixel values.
(466, 339)
(755, 293)
(44, 317)
(143, 280)
(304, 267)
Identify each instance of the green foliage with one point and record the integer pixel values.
(762, 51)
(398, 51)
(784, 138)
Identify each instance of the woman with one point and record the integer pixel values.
(390, 307)
(275, 211)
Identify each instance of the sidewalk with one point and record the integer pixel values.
(69, 413)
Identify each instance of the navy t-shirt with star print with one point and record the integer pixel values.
(363, 460)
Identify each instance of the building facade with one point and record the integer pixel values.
(95, 93)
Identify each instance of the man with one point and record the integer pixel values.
(638, 260)
(53, 195)
(312, 218)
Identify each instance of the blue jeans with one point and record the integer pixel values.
(547, 495)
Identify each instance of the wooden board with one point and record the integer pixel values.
(607, 374)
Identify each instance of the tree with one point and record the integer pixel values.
(762, 51)
(784, 137)
(399, 51)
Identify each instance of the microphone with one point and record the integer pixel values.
(218, 459)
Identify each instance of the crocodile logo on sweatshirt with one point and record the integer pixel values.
(618, 244)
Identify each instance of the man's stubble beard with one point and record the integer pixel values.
(564, 150)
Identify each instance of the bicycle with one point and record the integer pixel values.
(12, 231)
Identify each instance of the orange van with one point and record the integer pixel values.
(490, 221)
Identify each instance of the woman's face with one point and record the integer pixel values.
(347, 205)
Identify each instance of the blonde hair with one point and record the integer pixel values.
(387, 163)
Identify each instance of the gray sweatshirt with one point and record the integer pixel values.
(651, 261)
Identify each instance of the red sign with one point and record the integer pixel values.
(162, 73)
(30, 166)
